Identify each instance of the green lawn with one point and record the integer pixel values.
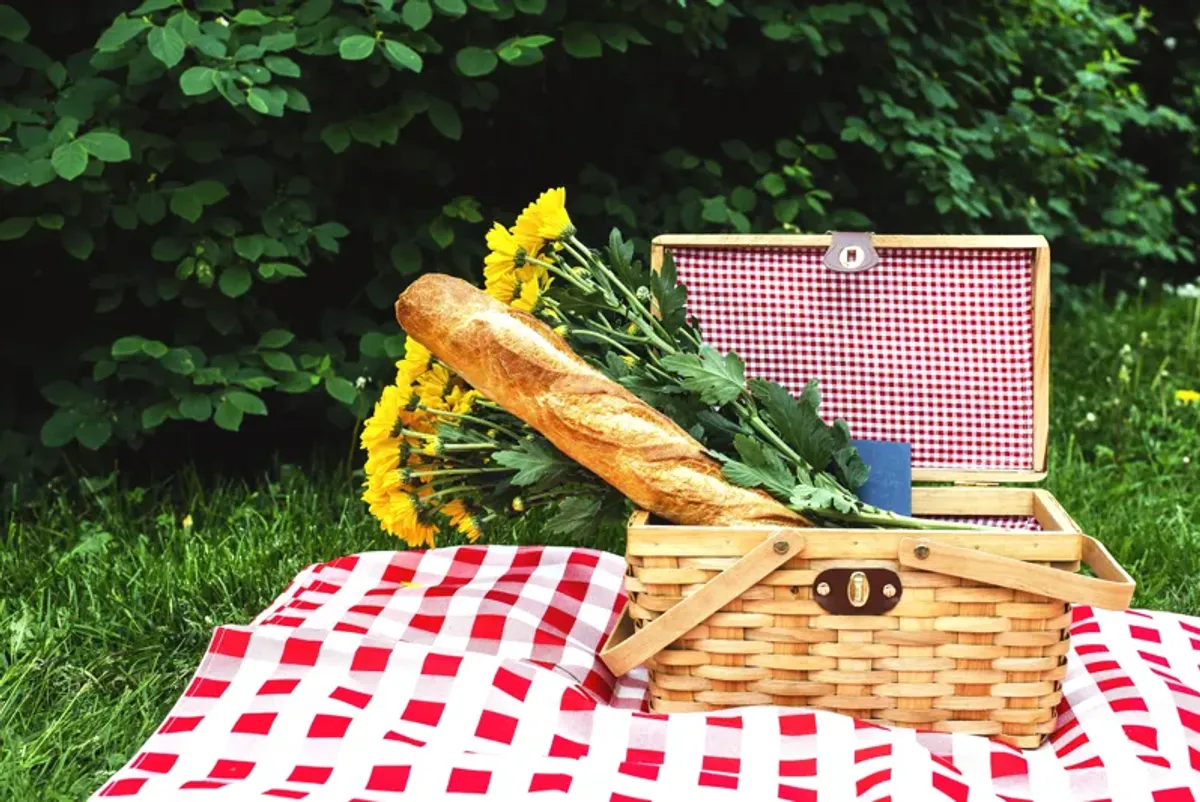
(108, 605)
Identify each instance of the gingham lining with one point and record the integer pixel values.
(932, 347)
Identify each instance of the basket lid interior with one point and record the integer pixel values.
(934, 346)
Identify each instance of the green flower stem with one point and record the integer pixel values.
(450, 491)
(647, 321)
(891, 520)
(444, 413)
(454, 472)
(453, 447)
(602, 338)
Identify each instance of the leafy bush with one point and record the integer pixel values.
(217, 205)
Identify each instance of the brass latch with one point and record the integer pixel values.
(847, 591)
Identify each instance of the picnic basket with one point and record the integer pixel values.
(938, 341)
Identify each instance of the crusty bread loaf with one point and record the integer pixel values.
(521, 364)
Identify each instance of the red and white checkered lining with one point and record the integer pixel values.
(482, 680)
(932, 347)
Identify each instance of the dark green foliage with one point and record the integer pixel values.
(207, 209)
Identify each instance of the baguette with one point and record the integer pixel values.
(521, 364)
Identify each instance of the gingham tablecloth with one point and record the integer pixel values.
(472, 671)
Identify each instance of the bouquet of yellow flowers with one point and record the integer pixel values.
(442, 458)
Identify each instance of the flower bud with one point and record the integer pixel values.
(518, 504)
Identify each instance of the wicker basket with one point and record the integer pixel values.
(953, 631)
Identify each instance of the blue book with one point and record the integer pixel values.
(889, 485)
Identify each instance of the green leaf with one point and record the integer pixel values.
(341, 389)
(535, 461)
(228, 416)
(179, 360)
(475, 61)
(211, 46)
(103, 369)
(13, 26)
(234, 281)
(282, 65)
(94, 433)
(14, 169)
(269, 269)
(761, 466)
(154, 348)
(105, 146)
(579, 41)
(121, 31)
(336, 137)
(208, 191)
(186, 205)
(441, 232)
(276, 42)
(197, 80)
(153, 5)
(249, 247)
(166, 45)
(445, 119)
(670, 295)
(774, 184)
(246, 402)
(403, 56)
(313, 11)
(127, 346)
(69, 160)
(168, 249)
(275, 338)
(850, 467)
(195, 406)
(259, 100)
(808, 497)
(574, 516)
(718, 380)
(62, 393)
(78, 241)
(796, 420)
(530, 6)
(15, 228)
(406, 257)
(151, 207)
(155, 415)
(60, 429)
(278, 361)
(250, 16)
(779, 31)
(416, 14)
(356, 48)
(124, 217)
(455, 8)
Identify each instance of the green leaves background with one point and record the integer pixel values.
(200, 175)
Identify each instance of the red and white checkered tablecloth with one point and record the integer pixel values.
(482, 680)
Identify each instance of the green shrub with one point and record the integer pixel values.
(210, 210)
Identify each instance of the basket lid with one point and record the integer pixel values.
(941, 341)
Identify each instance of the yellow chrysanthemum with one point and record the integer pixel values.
(377, 430)
(416, 361)
(461, 401)
(462, 519)
(1187, 396)
(501, 286)
(431, 386)
(546, 218)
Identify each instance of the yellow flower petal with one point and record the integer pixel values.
(1187, 396)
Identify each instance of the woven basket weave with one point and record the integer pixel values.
(960, 631)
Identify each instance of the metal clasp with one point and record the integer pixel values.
(858, 590)
(850, 252)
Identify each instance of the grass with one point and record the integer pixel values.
(108, 601)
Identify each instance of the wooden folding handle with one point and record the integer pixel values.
(1112, 588)
(779, 547)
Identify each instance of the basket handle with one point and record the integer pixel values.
(776, 549)
(1111, 589)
